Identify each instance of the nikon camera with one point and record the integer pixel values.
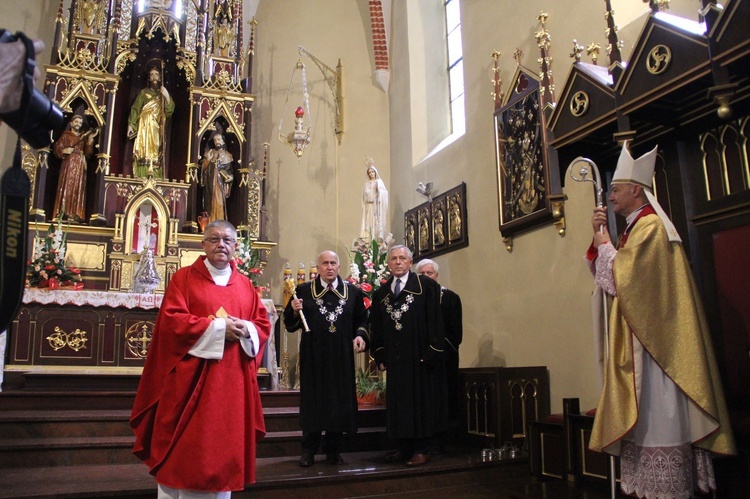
(38, 115)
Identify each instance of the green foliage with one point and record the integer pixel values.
(367, 383)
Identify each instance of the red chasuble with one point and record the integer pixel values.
(196, 421)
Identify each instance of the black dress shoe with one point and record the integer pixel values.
(395, 457)
(418, 460)
(307, 459)
(334, 458)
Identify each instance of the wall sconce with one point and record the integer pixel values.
(301, 136)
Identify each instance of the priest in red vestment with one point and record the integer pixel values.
(197, 414)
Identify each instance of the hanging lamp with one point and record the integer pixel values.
(300, 136)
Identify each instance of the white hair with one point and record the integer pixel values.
(427, 261)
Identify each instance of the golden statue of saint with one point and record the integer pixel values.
(90, 10)
(148, 116)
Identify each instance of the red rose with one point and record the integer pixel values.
(49, 267)
(75, 270)
(366, 287)
(367, 302)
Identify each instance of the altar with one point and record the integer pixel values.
(100, 332)
(158, 103)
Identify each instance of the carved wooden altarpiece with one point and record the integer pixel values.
(103, 56)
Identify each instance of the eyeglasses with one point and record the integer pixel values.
(228, 241)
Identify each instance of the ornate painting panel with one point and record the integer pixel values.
(522, 162)
(437, 226)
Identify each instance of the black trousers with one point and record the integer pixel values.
(331, 443)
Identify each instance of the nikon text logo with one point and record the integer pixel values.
(12, 231)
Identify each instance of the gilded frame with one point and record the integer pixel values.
(438, 226)
(522, 159)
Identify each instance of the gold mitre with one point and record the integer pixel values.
(635, 171)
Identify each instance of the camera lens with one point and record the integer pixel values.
(43, 115)
(38, 115)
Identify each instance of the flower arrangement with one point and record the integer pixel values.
(47, 268)
(369, 267)
(247, 260)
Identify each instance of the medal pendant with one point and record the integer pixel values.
(332, 328)
(399, 326)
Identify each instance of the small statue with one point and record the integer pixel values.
(145, 278)
(374, 206)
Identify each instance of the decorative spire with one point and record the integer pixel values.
(547, 89)
(592, 50)
(497, 93)
(577, 49)
(518, 55)
(613, 44)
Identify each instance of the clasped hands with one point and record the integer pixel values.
(235, 329)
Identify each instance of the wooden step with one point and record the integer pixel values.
(71, 423)
(62, 437)
(13, 400)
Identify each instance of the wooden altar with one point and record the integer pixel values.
(189, 64)
(92, 331)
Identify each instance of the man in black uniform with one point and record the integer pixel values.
(450, 303)
(407, 339)
(336, 315)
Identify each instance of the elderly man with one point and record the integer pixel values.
(450, 303)
(336, 315)
(662, 400)
(197, 414)
(407, 339)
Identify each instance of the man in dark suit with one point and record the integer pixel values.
(450, 303)
(336, 315)
(408, 339)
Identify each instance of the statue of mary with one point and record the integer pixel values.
(374, 206)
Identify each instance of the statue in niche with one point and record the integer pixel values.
(217, 176)
(90, 11)
(454, 217)
(438, 236)
(424, 234)
(374, 206)
(224, 31)
(74, 147)
(146, 124)
(410, 235)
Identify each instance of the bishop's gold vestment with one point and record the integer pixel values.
(657, 302)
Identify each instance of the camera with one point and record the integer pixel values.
(37, 114)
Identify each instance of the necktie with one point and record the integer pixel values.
(397, 290)
(330, 287)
